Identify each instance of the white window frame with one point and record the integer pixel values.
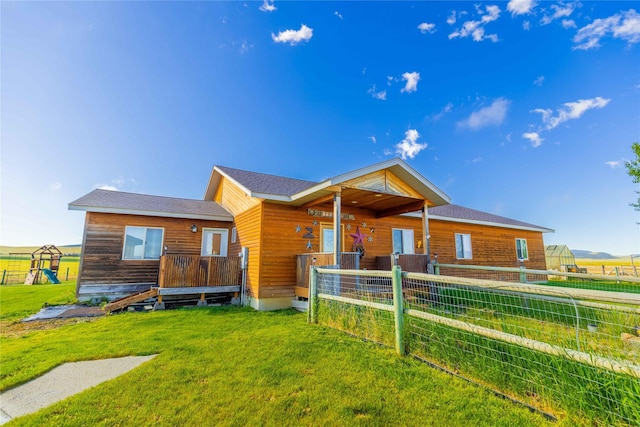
(144, 243)
(408, 242)
(519, 249)
(224, 241)
(234, 235)
(326, 226)
(464, 239)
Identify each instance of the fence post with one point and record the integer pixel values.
(396, 281)
(66, 279)
(523, 275)
(313, 295)
(4, 273)
(436, 268)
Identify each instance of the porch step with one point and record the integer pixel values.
(123, 302)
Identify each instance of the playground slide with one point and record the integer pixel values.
(51, 276)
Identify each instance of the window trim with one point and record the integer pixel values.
(526, 248)
(404, 232)
(124, 243)
(463, 246)
(329, 226)
(224, 241)
(234, 234)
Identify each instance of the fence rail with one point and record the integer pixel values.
(550, 346)
(183, 271)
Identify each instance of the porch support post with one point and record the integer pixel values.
(337, 235)
(426, 239)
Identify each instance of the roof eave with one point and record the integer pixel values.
(124, 211)
(487, 223)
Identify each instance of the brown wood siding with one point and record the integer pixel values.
(233, 199)
(281, 243)
(248, 228)
(491, 246)
(102, 261)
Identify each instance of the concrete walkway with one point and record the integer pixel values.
(62, 382)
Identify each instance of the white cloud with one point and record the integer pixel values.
(613, 164)
(520, 7)
(293, 37)
(409, 146)
(338, 14)
(55, 186)
(494, 114)
(534, 137)
(526, 25)
(568, 23)
(624, 25)
(427, 28)
(475, 29)
(446, 109)
(382, 95)
(559, 11)
(569, 111)
(412, 82)
(452, 18)
(267, 6)
(373, 139)
(538, 81)
(390, 80)
(476, 160)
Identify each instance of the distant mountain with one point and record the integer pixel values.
(579, 253)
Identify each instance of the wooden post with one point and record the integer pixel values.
(337, 235)
(398, 310)
(313, 295)
(523, 275)
(425, 232)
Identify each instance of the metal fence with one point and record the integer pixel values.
(619, 283)
(574, 350)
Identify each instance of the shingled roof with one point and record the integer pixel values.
(144, 204)
(459, 213)
(267, 184)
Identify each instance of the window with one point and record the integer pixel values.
(463, 246)
(521, 249)
(142, 243)
(234, 235)
(326, 237)
(402, 241)
(214, 241)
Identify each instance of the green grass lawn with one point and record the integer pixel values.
(234, 366)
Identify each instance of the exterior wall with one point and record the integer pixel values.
(493, 246)
(249, 228)
(102, 262)
(490, 246)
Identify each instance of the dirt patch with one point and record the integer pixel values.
(19, 329)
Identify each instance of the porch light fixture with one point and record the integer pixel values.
(396, 258)
(194, 228)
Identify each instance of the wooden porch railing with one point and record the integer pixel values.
(349, 261)
(186, 271)
(415, 263)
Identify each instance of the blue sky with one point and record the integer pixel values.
(523, 109)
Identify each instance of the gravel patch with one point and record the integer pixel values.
(61, 382)
(65, 311)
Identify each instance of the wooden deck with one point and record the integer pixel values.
(188, 271)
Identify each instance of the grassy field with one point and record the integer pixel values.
(233, 366)
(14, 268)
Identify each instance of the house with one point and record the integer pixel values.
(358, 218)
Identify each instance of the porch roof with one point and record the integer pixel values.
(144, 204)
